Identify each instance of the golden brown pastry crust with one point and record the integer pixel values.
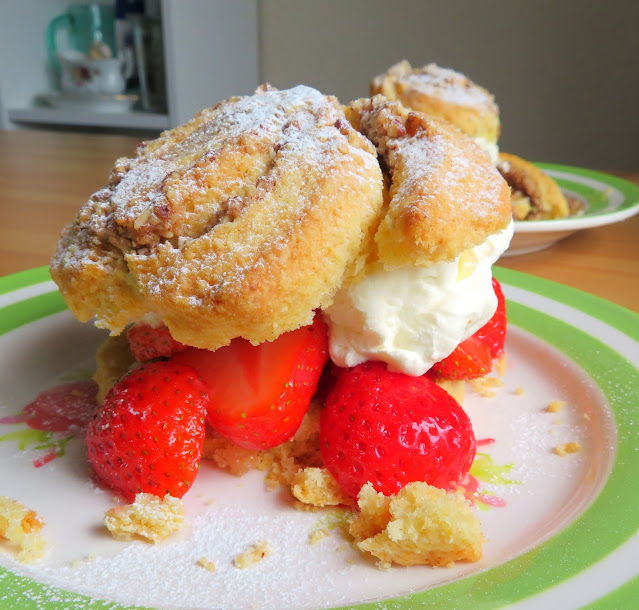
(444, 93)
(536, 196)
(445, 194)
(239, 223)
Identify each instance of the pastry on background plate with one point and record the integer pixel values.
(275, 269)
(452, 96)
(535, 195)
(444, 93)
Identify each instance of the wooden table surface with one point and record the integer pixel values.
(46, 176)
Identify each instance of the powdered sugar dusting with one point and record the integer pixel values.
(263, 114)
(421, 158)
(206, 204)
(141, 203)
(450, 86)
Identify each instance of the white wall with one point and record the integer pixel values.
(24, 65)
(211, 52)
(565, 73)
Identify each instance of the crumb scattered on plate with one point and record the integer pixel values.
(566, 448)
(21, 526)
(421, 524)
(149, 517)
(207, 564)
(253, 555)
(555, 406)
(317, 486)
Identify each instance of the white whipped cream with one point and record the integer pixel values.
(414, 316)
(491, 148)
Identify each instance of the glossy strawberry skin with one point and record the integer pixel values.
(391, 429)
(148, 342)
(147, 436)
(469, 360)
(260, 393)
(493, 333)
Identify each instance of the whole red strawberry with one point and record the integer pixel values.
(260, 393)
(390, 429)
(493, 333)
(147, 436)
(148, 342)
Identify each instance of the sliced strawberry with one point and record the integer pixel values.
(260, 393)
(493, 333)
(147, 436)
(391, 429)
(469, 360)
(148, 342)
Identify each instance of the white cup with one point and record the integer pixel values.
(85, 77)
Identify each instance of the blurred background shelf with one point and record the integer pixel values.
(208, 51)
(134, 119)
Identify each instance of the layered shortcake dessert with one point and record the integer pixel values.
(453, 97)
(301, 287)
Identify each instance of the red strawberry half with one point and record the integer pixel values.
(469, 360)
(493, 333)
(390, 429)
(148, 434)
(473, 357)
(260, 393)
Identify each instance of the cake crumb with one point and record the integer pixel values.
(253, 555)
(566, 448)
(317, 486)
(149, 517)
(76, 563)
(519, 391)
(555, 406)
(501, 364)
(207, 564)
(317, 535)
(21, 526)
(484, 386)
(206, 500)
(113, 359)
(456, 388)
(420, 524)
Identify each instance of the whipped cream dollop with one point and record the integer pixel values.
(414, 316)
(492, 148)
